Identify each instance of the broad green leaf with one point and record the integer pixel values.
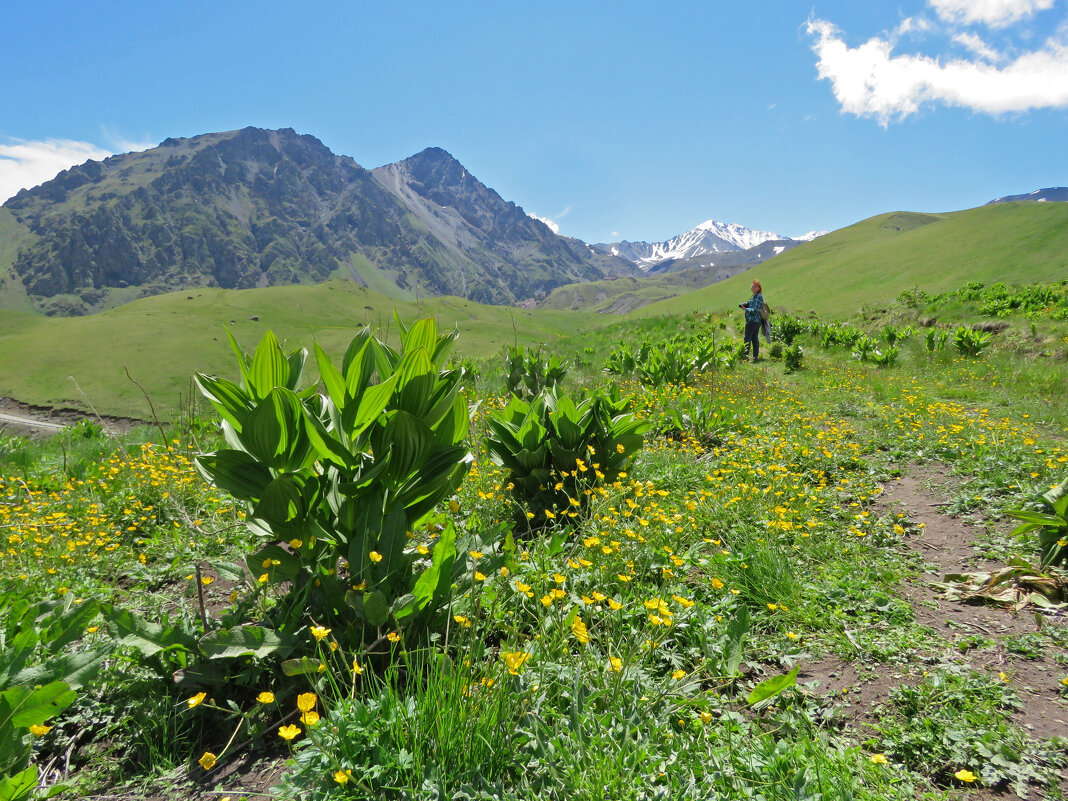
(19, 786)
(273, 431)
(236, 472)
(230, 400)
(422, 334)
(77, 669)
(147, 637)
(243, 360)
(375, 608)
(770, 688)
(326, 445)
(269, 368)
(34, 707)
(370, 405)
(416, 381)
(249, 640)
(331, 377)
(283, 500)
(305, 666)
(429, 583)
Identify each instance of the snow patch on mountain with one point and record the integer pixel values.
(708, 237)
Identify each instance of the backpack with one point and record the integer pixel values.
(765, 313)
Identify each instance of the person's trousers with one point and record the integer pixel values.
(752, 335)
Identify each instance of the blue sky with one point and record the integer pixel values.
(622, 120)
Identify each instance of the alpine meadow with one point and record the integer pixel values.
(316, 541)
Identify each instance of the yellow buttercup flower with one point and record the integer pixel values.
(196, 700)
(965, 775)
(514, 660)
(578, 628)
(375, 557)
(615, 664)
(289, 732)
(310, 718)
(306, 702)
(320, 632)
(266, 697)
(207, 761)
(342, 776)
(39, 730)
(878, 759)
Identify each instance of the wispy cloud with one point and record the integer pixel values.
(995, 13)
(24, 164)
(872, 80)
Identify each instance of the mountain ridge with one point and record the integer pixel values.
(255, 207)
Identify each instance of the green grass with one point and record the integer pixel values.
(163, 340)
(713, 566)
(873, 260)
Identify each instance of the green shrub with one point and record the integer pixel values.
(527, 373)
(342, 477)
(791, 357)
(969, 342)
(557, 451)
(1052, 525)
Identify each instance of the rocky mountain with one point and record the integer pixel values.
(1054, 194)
(256, 208)
(726, 264)
(710, 238)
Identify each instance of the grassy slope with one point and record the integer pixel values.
(874, 260)
(164, 339)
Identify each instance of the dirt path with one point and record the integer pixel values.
(977, 636)
(41, 421)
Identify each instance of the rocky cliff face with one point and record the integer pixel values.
(256, 208)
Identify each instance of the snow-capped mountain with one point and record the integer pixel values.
(707, 238)
(1053, 194)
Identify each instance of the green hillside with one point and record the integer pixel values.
(163, 339)
(876, 259)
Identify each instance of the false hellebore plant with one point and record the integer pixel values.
(335, 482)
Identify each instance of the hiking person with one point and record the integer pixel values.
(753, 320)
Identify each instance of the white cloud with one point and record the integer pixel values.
(978, 46)
(869, 80)
(26, 164)
(554, 227)
(995, 13)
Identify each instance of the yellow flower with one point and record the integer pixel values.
(342, 776)
(678, 675)
(266, 697)
(475, 554)
(206, 580)
(706, 717)
(615, 663)
(310, 718)
(356, 667)
(463, 621)
(320, 632)
(546, 600)
(294, 544)
(207, 761)
(716, 584)
(479, 576)
(791, 635)
(288, 732)
(375, 557)
(878, 759)
(614, 605)
(578, 628)
(514, 660)
(196, 700)
(306, 702)
(550, 515)
(965, 775)
(504, 572)
(393, 636)
(39, 731)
